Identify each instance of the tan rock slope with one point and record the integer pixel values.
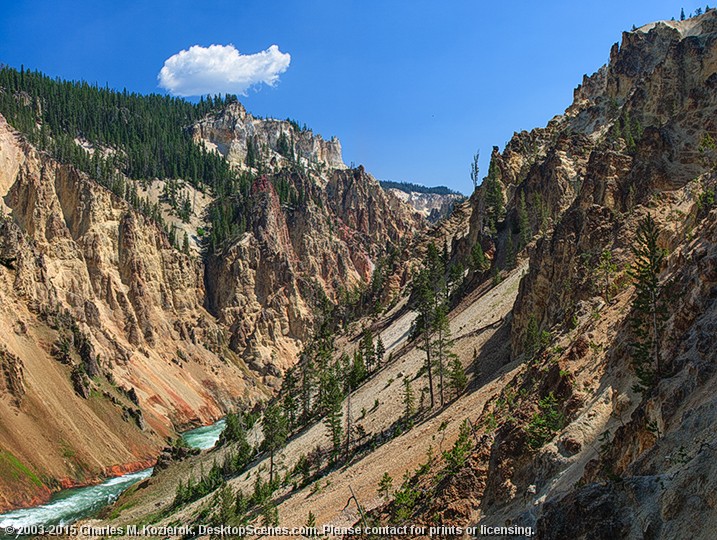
(107, 348)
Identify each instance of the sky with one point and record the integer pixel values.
(411, 88)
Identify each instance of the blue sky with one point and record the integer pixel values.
(412, 88)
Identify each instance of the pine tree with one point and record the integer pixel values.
(510, 255)
(356, 373)
(275, 433)
(682, 14)
(526, 232)
(269, 514)
(308, 382)
(185, 244)
(380, 351)
(649, 306)
(385, 486)
(423, 325)
(227, 510)
(475, 170)
(493, 197)
(457, 376)
(409, 400)
(606, 270)
(367, 350)
(479, 262)
(289, 391)
(532, 338)
(442, 344)
(332, 398)
(235, 432)
(455, 278)
(310, 520)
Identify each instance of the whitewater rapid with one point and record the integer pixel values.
(69, 505)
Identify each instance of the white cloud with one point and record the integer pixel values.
(221, 69)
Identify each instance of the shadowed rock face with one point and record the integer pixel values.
(265, 285)
(637, 140)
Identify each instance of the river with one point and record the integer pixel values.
(69, 505)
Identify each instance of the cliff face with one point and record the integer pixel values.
(614, 462)
(266, 285)
(432, 206)
(231, 131)
(658, 91)
(108, 347)
(117, 339)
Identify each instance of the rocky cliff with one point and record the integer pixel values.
(314, 230)
(580, 452)
(433, 206)
(234, 133)
(108, 347)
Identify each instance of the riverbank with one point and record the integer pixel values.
(75, 502)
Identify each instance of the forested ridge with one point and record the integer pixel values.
(409, 187)
(133, 138)
(150, 130)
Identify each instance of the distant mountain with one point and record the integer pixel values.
(432, 202)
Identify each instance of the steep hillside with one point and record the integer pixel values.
(587, 440)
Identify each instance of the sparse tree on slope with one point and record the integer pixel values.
(275, 433)
(649, 308)
(475, 170)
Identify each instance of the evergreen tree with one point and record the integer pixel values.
(308, 382)
(526, 232)
(356, 372)
(310, 520)
(409, 400)
(332, 399)
(226, 508)
(289, 391)
(185, 244)
(649, 306)
(385, 486)
(510, 254)
(423, 325)
(367, 350)
(269, 514)
(457, 376)
(479, 262)
(443, 343)
(275, 433)
(455, 278)
(380, 351)
(534, 339)
(606, 270)
(493, 197)
(682, 14)
(475, 170)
